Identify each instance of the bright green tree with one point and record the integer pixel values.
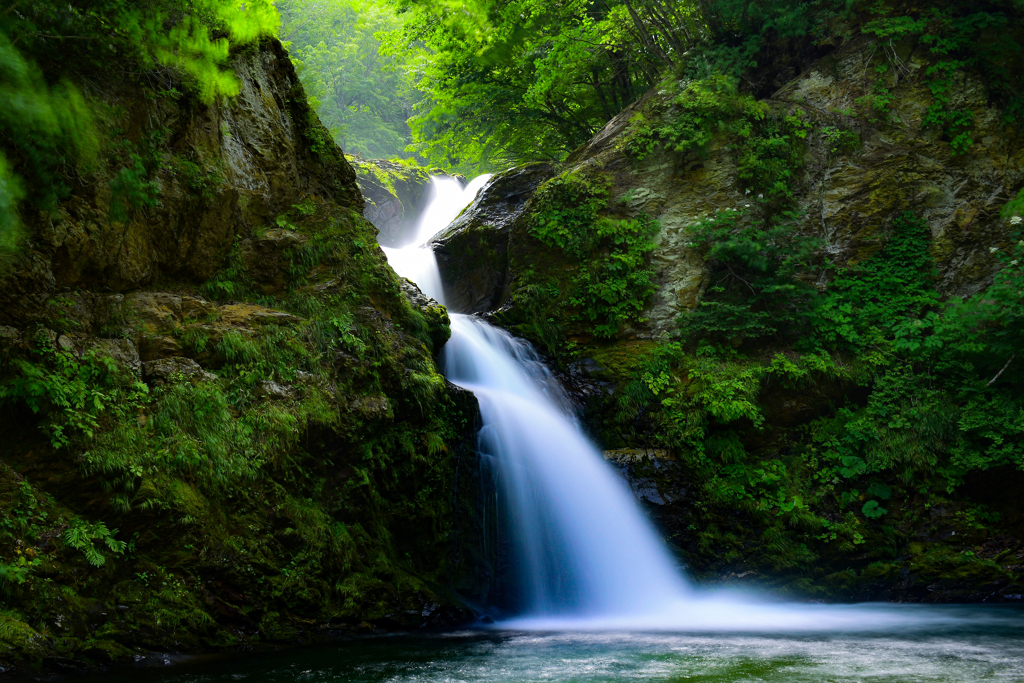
(506, 82)
(362, 96)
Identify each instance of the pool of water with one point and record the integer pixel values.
(969, 644)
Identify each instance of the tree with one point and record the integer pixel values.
(362, 96)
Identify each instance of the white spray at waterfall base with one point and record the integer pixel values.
(584, 555)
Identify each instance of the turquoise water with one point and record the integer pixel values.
(981, 644)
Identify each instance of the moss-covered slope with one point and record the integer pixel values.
(220, 416)
(807, 304)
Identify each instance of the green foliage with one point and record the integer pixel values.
(938, 401)
(507, 82)
(47, 127)
(42, 128)
(199, 180)
(1014, 208)
(193, 37)
(753, 293)
(131, 189)
(363, 96)
(866, 300)
(232, 281)
(614, 289)
(566, 209)
(84, 536)
(694, 116)
(613, 283)
(11, 193)
(958, 36)
(71, 393)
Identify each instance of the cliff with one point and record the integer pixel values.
(754, 297)
(222, 422)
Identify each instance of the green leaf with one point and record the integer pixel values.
(871, 510)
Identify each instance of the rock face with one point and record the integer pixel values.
(648, 471)
(221, 416)
(847, 199)
(394, 194)
(856, 171)
(229, 168)
(472, 253)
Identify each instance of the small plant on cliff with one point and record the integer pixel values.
(754, 290)
(613, 282)
(614, 288)
(693, 118)
(959, 36)
(864, 302)
(84, 536)
(565, 210)
(72, 394)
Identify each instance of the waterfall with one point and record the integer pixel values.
(584, 554)
(415, 260)
(582, 545)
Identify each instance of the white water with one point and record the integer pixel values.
(585, 556)
(415, 260)
(583, 547)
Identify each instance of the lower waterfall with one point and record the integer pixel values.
(584, 556)
(581, 543)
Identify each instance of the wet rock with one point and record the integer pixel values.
(162, 311)
(847, 199)
(372, 407)
(9, 335)
(472, 253)
(394, 195)
(169, 369)
(649, 473)
(276, 392)
(266, 258)
(435, 313)
(416, 296)
(248, 315)
(122, 351)
(153, 347)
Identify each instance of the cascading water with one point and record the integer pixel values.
(415, 260)
(585, 557)
(582, 544)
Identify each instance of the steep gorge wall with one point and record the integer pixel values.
(222, 422)
(727, 449)
(846, 197)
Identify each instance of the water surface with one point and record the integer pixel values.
(979, 644)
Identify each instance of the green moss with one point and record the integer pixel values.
(307, 480)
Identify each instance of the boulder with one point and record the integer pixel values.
(650, 473)
(122, 351)
(394, 195)
(167, 369)
(472, 253)
(266, 257)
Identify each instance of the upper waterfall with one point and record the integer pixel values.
(415, 260)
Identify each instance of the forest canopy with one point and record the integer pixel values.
(479, 85)
(468, 85)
